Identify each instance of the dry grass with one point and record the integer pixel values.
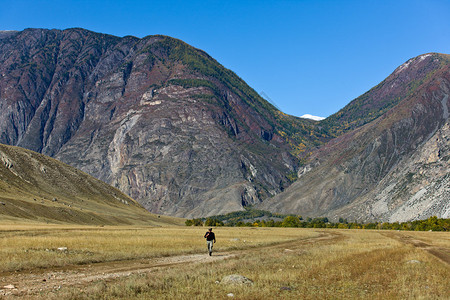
(25, 247)
(359, 265)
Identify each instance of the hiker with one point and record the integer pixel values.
(210, 237)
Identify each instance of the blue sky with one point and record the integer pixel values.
(308, 56)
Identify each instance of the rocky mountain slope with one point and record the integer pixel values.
(37, 188)
(390, 160)
(156, 118)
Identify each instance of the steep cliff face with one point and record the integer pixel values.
(392, 168)
(160, 120)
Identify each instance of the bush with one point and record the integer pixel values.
(291, 221)
(213, 222)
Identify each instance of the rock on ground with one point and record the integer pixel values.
(236, 279)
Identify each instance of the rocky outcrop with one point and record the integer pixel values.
(156, 118)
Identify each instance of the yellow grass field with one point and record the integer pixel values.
(25, 247)
(283, 263)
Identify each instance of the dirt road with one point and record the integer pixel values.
(33, 282)
(442, 254)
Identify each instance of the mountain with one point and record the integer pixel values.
(37, 188)
(390, 158)
(158, 119)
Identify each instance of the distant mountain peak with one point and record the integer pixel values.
(311, 117)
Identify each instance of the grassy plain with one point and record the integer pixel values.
(284, 263)
(25, 247)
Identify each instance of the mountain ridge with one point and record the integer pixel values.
(379, 99)
(344, 176)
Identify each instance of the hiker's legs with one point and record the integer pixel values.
(210, 246)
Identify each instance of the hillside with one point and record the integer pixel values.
(394, 167)
(36, 188)
(158, 119)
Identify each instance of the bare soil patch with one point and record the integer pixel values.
(441, 253)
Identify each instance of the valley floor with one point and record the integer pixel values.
(283, 263)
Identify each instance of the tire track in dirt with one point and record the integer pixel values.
(443, 254)
(33, 282)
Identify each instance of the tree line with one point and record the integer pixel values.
(430, 224)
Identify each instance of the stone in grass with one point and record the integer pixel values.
(62, 248)
(9, 287)
(414, 261)
(230, 295)
(236, 279)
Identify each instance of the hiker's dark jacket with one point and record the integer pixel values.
(210, 236)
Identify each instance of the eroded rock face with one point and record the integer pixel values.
(158, 119)
(423, 180)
